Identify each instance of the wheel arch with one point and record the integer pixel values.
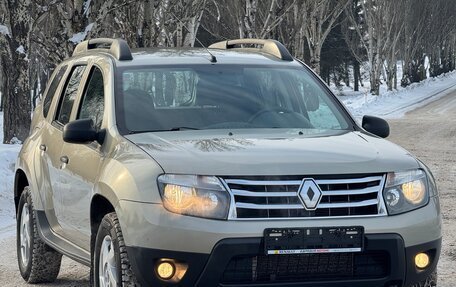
(103, 202)
(20, 182)
(99, 207)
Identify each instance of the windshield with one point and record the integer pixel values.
(171, 98)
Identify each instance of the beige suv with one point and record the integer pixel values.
(228, 166)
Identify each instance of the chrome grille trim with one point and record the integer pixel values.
(349, 181)
(263, 194)
(298, 182)
(366, 190)
(263, 182)
(272, 196)
(299, 206)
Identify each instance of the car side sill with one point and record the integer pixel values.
(59, 243)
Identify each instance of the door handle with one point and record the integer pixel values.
(64, 159)
(43, 147)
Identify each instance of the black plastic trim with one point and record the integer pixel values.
(207, 269)
(58, 243)
(376, 126)
(143, 262)
(415, 275)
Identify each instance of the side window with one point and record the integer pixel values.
(92, 105)
(52, 88)
(165, 88)
(71, 90)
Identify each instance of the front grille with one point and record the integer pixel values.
(256, 198)
(300, 267)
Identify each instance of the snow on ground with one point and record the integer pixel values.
(8, 154)
(394, 104)
(389, 104)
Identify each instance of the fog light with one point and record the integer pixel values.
(166, 270)
(422, 260)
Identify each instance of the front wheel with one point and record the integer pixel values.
(38, 263)
(111, 265)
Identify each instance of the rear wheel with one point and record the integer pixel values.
(38, 263)
(111, 265)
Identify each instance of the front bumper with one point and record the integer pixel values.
(152, 226)
(397, 268)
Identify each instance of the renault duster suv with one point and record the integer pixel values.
(228, 166)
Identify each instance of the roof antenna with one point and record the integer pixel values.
(213, 58)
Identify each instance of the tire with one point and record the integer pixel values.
(431, 281)
(111, 252)
(38, 262)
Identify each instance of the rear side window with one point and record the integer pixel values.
(68, 98)
(168, 88)
(52, 88)
(92, 106)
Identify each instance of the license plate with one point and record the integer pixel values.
(313, 240)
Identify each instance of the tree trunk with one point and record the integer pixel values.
(249, 17)
(346, 75)
(356, 75)
(315, 58)
(17, 96)
(395, 77)
(16, 115)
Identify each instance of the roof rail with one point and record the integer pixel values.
(118, 48)
(271, 47)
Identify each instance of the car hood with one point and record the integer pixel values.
(272, 152)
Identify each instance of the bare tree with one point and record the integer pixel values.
(374, 35)
(321, 16)
(393, 26)
(291, 32)
(441, 28)
(36, 35)
(412, 40)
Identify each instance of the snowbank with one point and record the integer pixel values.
(8, 155)
(395, 104)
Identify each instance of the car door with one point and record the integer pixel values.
(55, 145)
(82, 162)
(48, 148)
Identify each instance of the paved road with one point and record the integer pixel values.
(428, 132)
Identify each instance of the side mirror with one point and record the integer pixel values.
(82, 132)
(376, 126)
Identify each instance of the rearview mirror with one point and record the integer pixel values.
(82, 132)
(312, 103)
(376, 126)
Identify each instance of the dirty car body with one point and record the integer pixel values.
(229, 167)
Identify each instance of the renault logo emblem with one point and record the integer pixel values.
(309, 194)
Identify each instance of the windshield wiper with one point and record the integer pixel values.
(164, 130)
(183, 128)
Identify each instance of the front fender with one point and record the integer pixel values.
(129, 174)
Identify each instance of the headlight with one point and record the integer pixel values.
(201, 196)
(406, 191)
